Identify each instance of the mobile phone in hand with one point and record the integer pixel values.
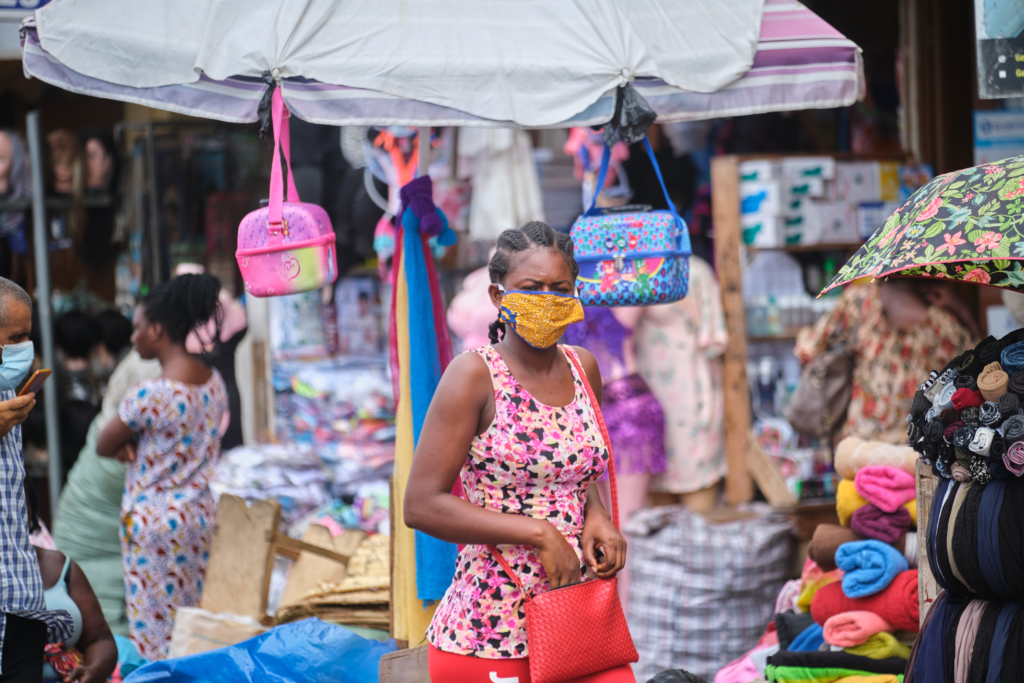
(35, 383)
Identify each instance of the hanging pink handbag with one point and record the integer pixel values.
(286, 247)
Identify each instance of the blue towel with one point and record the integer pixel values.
(1012, 359)
(869, 566)
(809, 640)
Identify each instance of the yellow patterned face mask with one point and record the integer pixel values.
(540, 318)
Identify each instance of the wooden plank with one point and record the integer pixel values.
(725, 203)
(241, 558)
(261, 408)
(767, 476)
(405, 666)
(927, 588)
(284, 544)
(312, 568)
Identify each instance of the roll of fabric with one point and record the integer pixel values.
(826, 541)
(1014, 458)
(809, 640)
(919, 406)
(910, 549)
(1012, 358)
(1013, 429)
(945, 399)
(960, 473)
(848, 500)
(872, 522)
(989, 413)
(933, 431)
(979, 470)
(869, 567)
(835, 661)
(948, 416)
(1008, 404)
(971, 416)
(789, 625)
(881, 646)
(966, 398)
(897, 604)
(998, 447)
(997, 468)
(853, 455)
(851, 629)
(992, 381)
(965, 381)
(962, 438)
(951, 430)
(1016, 384)
(981, 444)
(966, 632)
(932, 415)
(911, 507)
(886, 487)
(989, 350)
(970, 364)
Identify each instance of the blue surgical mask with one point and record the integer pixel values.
(15, 363)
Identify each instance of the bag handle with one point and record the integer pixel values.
(611, 471)
(606, 159)
(282, 142)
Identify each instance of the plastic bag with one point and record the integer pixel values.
(309, 651)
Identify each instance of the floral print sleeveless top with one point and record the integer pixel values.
(534, 460)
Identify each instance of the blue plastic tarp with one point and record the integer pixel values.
(308, 651)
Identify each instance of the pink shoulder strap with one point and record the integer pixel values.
(282, 142)
(611, 467)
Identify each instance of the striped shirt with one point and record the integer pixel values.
(21, 584)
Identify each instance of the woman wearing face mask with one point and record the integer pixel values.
(513, 420)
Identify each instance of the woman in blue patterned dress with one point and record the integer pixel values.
(169, 431)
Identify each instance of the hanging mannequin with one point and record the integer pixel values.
(67, 178)
(15, 185)
(100, 178)
(100, 160)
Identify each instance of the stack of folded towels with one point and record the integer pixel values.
(856, 614)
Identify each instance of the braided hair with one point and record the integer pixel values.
(518, 241)
(184, 305)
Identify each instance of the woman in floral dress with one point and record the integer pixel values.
(513, 421)
(169, 431)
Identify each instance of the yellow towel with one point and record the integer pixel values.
(882, 645)
(912, 509)
(848, 501)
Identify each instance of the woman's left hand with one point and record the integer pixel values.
(599, 534)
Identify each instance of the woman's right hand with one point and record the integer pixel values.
(560, 561)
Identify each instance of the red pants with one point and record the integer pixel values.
(446, 667)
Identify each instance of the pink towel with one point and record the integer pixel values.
(851, 629)
(886, 487)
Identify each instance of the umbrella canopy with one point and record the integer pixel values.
(966, 225)
(800, 63)
(530, 62)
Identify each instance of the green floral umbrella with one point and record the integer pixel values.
(966, 225)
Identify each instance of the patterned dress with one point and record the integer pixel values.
(167, 511)
(889, 363)
(533, 460)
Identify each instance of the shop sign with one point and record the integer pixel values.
(999, 25)
(16, 10)
(998, 134)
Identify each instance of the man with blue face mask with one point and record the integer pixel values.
(26, 626)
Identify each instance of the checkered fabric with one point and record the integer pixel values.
(21, 585)
(701, 594)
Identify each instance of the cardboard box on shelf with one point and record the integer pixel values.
(762, 230)
(801, 229)
(809, 167)
(760, 170)
(889, 180)
(805, 187)
(837, 222)
(858, 181)
(761, 197)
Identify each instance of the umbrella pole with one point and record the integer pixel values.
(423, 139)
(42, 256)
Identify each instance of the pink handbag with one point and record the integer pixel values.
(286, 247)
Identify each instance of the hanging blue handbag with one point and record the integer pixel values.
(631, 257)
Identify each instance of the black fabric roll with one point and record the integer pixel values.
(789, 625)
(965, 532)
(971, 416)
(920, 406)
(1011, 655)
(989, 414)
(950, 639)
(945, 453)
(1016, 384)
(933, 431)
(928, 450)
(839, 660)
(982, 643)
(989, 350)
(914, 433)
(970, 364)
(998, 447)
(952, 584)
(966, 382)
(1008, 405)
(963, 456)
(1013, 429)
(997, 469)
(963, 437)
(939, 469)
(948, 416)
